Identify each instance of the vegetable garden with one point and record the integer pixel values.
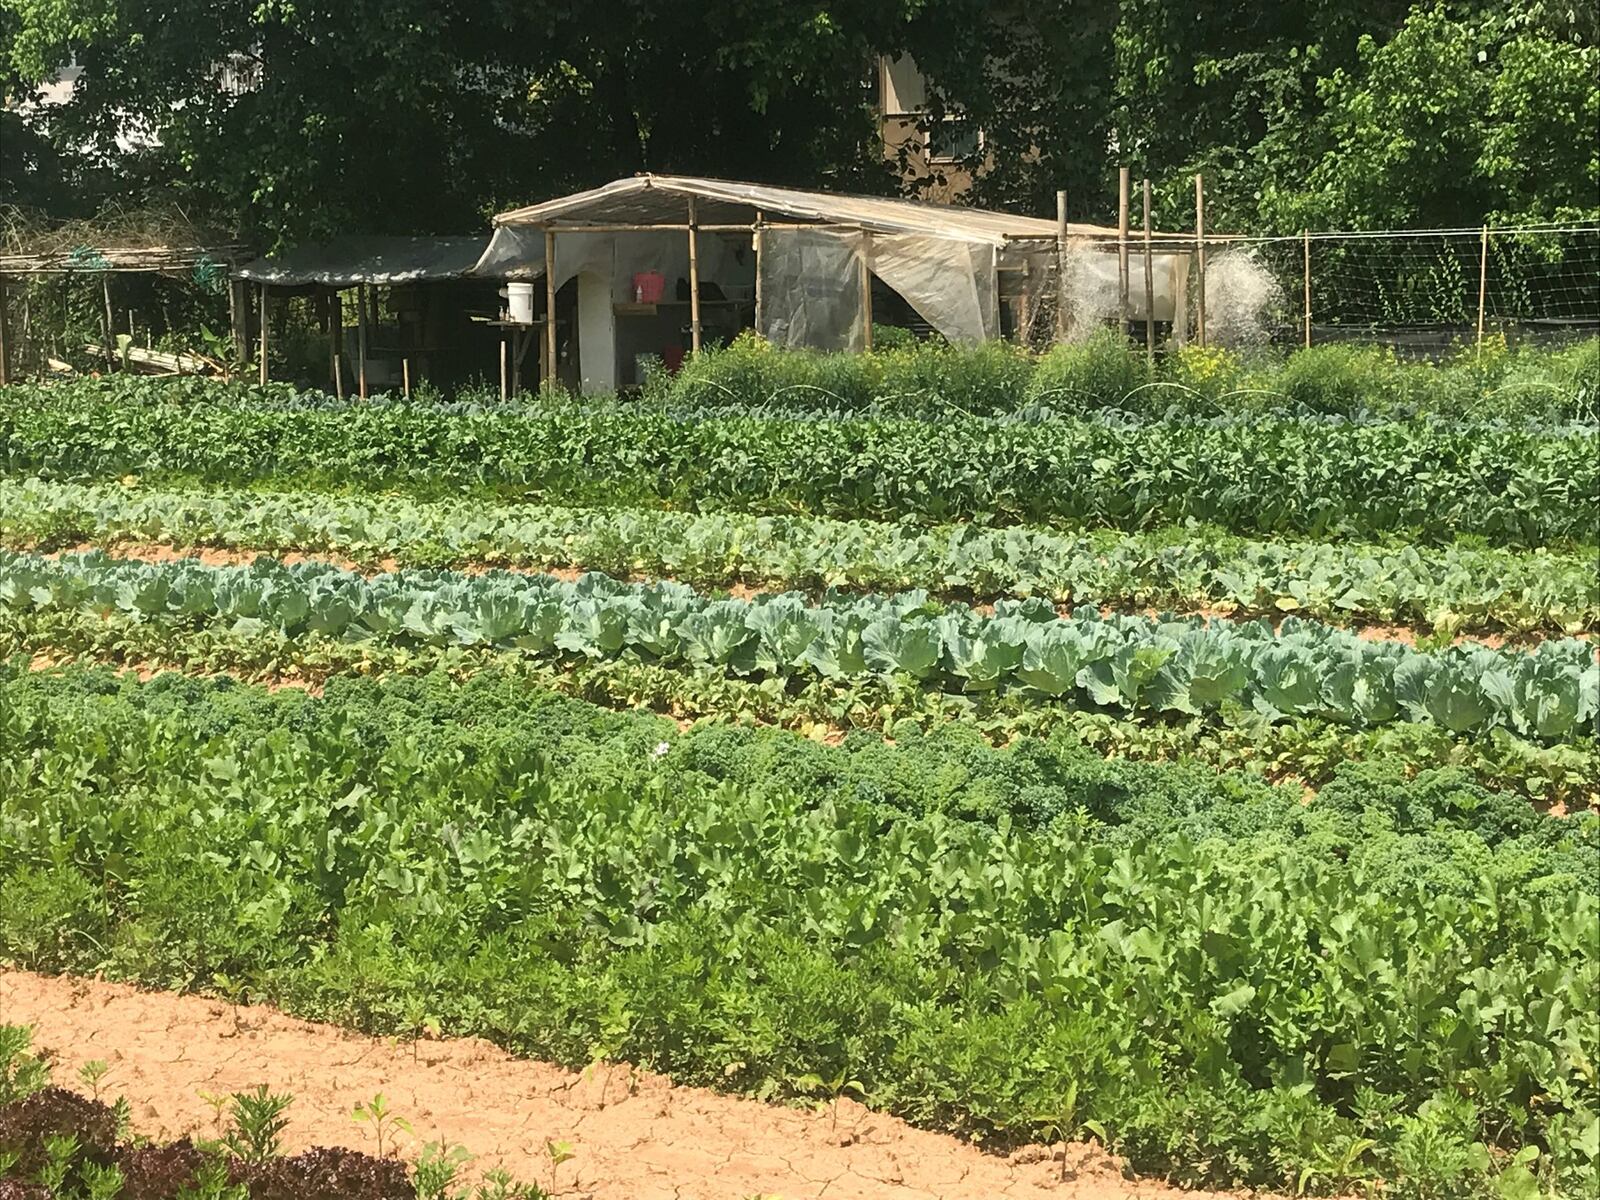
(1045, 747)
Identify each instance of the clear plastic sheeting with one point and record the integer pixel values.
(1094, 293)
(811, 289)
(948, 281)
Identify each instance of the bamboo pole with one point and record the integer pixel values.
(261, 365)
(1200, 255)
(361, 340)
(105, 291)
(335, 338)
(1061, 264)
(550, 307)
(405, 377)
(866, 290)
(1305, 235)
(505, 379)
(1124, 183)
(1149, 285)
(5, 362)
(694, 278)
(1483, 284)
(756, 239)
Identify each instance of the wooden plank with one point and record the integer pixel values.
(694, 280)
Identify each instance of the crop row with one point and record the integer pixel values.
(1101, 375)
(1307, 750)
(1448, 588)
(1226, 1011)
(1515, 487)
(1121, 663)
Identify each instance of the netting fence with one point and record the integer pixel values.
(1422, 292)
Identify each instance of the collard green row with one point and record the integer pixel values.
(1448, 588)
(1127, 664)
(1246, 1010)
(1514, 487)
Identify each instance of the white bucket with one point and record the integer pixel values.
(519, 302)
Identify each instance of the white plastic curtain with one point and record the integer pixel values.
(949, 281)
(811, 288)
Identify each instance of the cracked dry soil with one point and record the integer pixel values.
(635, 1135)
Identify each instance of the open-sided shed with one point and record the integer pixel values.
(803, 268)
(429, 290)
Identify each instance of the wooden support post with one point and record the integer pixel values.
(239, 318)
(505, 379)
(1200, 256)
(756, 243)
(261, 357)
(550, 307)
(1061, 265)
(335, 339)
(405, 377)
(361, 340)
(105, 291)
(5, 362)
(1483, 284)
(1124, 184)
(1149, 285)
(1305, 235)
(694, 278)
(866, 290)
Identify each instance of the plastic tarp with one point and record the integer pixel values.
(347, 261)
(811, 289)
(950, 282)
(1094, 287)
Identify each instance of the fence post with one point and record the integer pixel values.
(1200, 256)
(1306, 237)
(1483, 284)
(261, 365)
(1149, 286)
(1124, 184)
(866, 289)
(1061, 265)
(5, 371)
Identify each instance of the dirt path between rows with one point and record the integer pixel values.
(644, 1140)
(219, 556)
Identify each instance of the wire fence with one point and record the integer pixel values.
(1422, 292)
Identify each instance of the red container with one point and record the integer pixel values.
(648, 286)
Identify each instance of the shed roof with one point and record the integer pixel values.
(660, 199)
(347, 261)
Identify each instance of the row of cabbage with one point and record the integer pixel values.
(1448, 588)
(1121, 663)
(1513, 487)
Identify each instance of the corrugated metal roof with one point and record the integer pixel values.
(660, 199)
(347, 261)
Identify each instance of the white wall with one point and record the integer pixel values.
(597, 333)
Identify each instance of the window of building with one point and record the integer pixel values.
(954, 139)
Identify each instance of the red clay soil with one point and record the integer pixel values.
(634, 1135)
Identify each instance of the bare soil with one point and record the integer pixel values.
(634, 1135)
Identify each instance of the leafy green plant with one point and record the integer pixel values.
(256, 1124)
